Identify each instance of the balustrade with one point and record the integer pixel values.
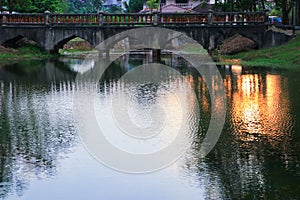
(238, 18)
(151, 19)
(127, 19)
(22, 19)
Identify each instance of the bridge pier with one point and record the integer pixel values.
(156, 55)
(212, 44)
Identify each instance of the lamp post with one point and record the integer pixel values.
(295, 13)
(160, 6)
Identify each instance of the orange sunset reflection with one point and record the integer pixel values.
(260, 107)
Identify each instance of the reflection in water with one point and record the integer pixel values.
(260, 108)
(79, 65)
(257, 155)
(258, 128)
(136, 105)
(36, 129)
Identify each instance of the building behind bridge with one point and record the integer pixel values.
(109, 4)
(182, 6)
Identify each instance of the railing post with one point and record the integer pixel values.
(155, 19)
(47, 17)
(100, 18)
(235, 19)
(244, 17)
(266, 18)
(210, 17)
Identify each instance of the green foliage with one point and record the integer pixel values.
(22, 6)
(26, 51)
(274, 12)
(284, 7)
(134, 6)
(152, 4)
(60, 6)
(240, 5)
(35, 6)
(116, 9)
(84, 6)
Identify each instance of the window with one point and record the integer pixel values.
(181, 1)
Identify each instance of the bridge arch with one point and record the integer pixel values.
(60, 44)
(10, 42)
(57, 37)
(11, 39)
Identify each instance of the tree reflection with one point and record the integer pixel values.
(34, 129)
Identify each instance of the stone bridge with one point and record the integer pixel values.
(52, 31)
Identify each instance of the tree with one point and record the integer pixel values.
(93, 6)
(286, 6)
(283, 6)
(135, 6)
(22, 6)
(9, 5)
(240, 5)
(116, 9)
(35, 6)
(84, 6)
(152, 4)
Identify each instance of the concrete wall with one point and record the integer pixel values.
(275, 38)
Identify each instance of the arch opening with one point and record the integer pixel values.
(73, 44)
(12, 42)
(22, 44)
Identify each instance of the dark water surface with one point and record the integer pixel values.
(256, 157)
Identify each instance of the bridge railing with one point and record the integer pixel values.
(126, 19)
(22, 19)
(151, 19)
(74, 19)
(183, 18)
(239, 18)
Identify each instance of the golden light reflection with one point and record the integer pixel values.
(236, 69)
(260, 107)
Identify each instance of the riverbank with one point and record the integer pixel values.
(285, 56)
(29, 50)
(24, 52)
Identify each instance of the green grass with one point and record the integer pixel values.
(25, 52)
(286, 56)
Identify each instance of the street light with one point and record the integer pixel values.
(160, 6)
(294, 13)
(297, 14)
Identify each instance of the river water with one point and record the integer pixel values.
(256, 157)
